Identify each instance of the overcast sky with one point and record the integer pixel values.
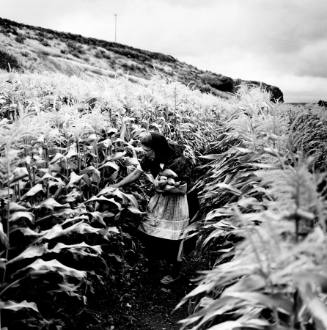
(280, 42)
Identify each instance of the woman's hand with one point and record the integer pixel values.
(181, 189)
(158, 185)
(128, 179)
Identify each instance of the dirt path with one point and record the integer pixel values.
(145, 305)
(138, 300)
(155, 306)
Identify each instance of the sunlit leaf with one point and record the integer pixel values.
(18, 174)
(110, 191)
(15, 207)
(28, 232)
(97, 217)
(74, 248)
(55, 168)
(104, 200)
(117, 193)
(6, 192)
(74, 179)
(3, 237)
(73, 196)
(111, 230)
(15, 306)
(313, 302)
(249, 283)
(134, 210)
(72, 151)
(105, 143)
(30, 252)
(58, 231)
(262, 165)
(73, 220)
(48, 176)
(92, 138)
(3, 263)
(210, 157)
(33, 191)
(228, 325)
(117, 155)
(51, 204)
(22, 215)
(56, 158)
(40, 267)
(93, 173)
(111, 165)
(112, 130)
(239, 324)
(131, 161)
(229, 187)
(271, 301)
(21, 184)
(68, 288)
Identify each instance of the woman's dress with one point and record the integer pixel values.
(168, 213)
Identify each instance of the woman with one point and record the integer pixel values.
(168, 213)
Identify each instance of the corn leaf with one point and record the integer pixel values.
(112, 165)
(74, 179)
(22, 215)
(15, 306)
(40, 267)
(15, 207)
(3, 237)
(30, 252)
(52, 204)
(58, 231)
(104, 200)
(33, 191)
(76, 248)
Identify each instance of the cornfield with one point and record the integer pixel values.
(260, 181)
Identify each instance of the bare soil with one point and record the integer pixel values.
(142, 302)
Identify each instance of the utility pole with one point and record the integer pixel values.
(115, 27)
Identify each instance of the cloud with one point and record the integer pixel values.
(189, 3)
(303, 88)
(311, 61)
(251, 39)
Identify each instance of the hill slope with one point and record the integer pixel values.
(37, 49)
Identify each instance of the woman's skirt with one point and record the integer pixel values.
(167, 216)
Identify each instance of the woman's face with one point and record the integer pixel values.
(149, 152)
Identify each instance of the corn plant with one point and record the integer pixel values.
(265, 225)
(62, 225)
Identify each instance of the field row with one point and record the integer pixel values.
(260, 183)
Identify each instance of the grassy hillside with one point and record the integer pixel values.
(37, 49)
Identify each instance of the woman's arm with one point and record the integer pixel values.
(129, 178)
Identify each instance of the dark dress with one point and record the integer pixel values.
(168, 213)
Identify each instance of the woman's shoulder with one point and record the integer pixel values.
(180, 161)
(176, 148)
(181, 165)
(181, 154)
